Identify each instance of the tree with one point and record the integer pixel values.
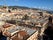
(41, 14)
(25, 17)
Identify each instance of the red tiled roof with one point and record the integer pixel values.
(22, 33)
(6, 25)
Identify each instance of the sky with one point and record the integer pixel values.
(43, 4)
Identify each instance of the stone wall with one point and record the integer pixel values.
(34, 36)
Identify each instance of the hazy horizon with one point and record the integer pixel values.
(42, 4)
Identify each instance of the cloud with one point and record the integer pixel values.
(42, 7)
